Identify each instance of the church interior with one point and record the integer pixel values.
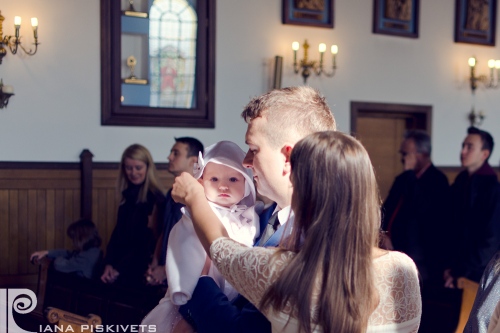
(70, 109)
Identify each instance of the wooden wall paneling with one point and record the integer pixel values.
(38, 200)
(22, 264)
(13, 231)
(111, 212)
(77, 214)
(59, 219)
(95, 211)
(33, 234)
(50, 219)
(104, 183)
(86, 184)
(4, 234)
(101, 216)
(68, 217)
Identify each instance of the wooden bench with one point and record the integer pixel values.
(80, 296)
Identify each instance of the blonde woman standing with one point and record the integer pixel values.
(139, 218)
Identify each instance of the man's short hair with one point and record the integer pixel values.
(422, 141)
(292, 113)
(486, 139)
(194, 145)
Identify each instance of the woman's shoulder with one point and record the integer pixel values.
(396, 280)
(385, 255)
(394, 261)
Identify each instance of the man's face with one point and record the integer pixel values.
(266, 161)
(178, 160)
(472, 155)
(410, 157)
(223, 185)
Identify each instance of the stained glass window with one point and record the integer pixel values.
(172, 51)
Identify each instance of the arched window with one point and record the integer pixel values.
(158, 63)
(172, 53)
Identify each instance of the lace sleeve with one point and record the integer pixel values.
(400, 305)
(250, 270)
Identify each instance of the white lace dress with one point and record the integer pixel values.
(252, 271)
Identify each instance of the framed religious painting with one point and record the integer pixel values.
(475, 21)
(314, 13)
(396, 17)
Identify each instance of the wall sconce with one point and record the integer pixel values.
(476, 118)
(491, 82)
(307, 66)
(14, 42)
(5, 93)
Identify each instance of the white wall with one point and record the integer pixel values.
(56, 110)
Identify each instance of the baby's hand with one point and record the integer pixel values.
(35, 256)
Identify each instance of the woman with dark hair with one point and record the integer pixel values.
(329, 275)
(85, 254)
(139, 219)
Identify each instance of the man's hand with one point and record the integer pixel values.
(110, 274)
(448, 279)
(156, 275)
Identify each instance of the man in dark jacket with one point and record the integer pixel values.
(475, 210)
(416, 207)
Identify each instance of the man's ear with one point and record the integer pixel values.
(485, 154)
(286, 150)
(192, 160)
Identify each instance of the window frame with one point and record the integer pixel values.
(114, 113)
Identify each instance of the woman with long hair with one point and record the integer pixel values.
(328, 276)
(139, 218)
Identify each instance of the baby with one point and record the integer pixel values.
(231, 194)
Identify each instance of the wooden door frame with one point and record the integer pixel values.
(385, 110)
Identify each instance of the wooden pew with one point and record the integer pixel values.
(113, 304)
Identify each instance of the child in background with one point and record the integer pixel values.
(231, 193)
(85, 254)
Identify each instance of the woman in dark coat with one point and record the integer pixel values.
(139, 214)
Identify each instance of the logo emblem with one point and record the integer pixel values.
(22, 301)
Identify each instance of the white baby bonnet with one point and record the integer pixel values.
(229, 154)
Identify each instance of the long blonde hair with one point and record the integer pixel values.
(151, 183)
(337, 208)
